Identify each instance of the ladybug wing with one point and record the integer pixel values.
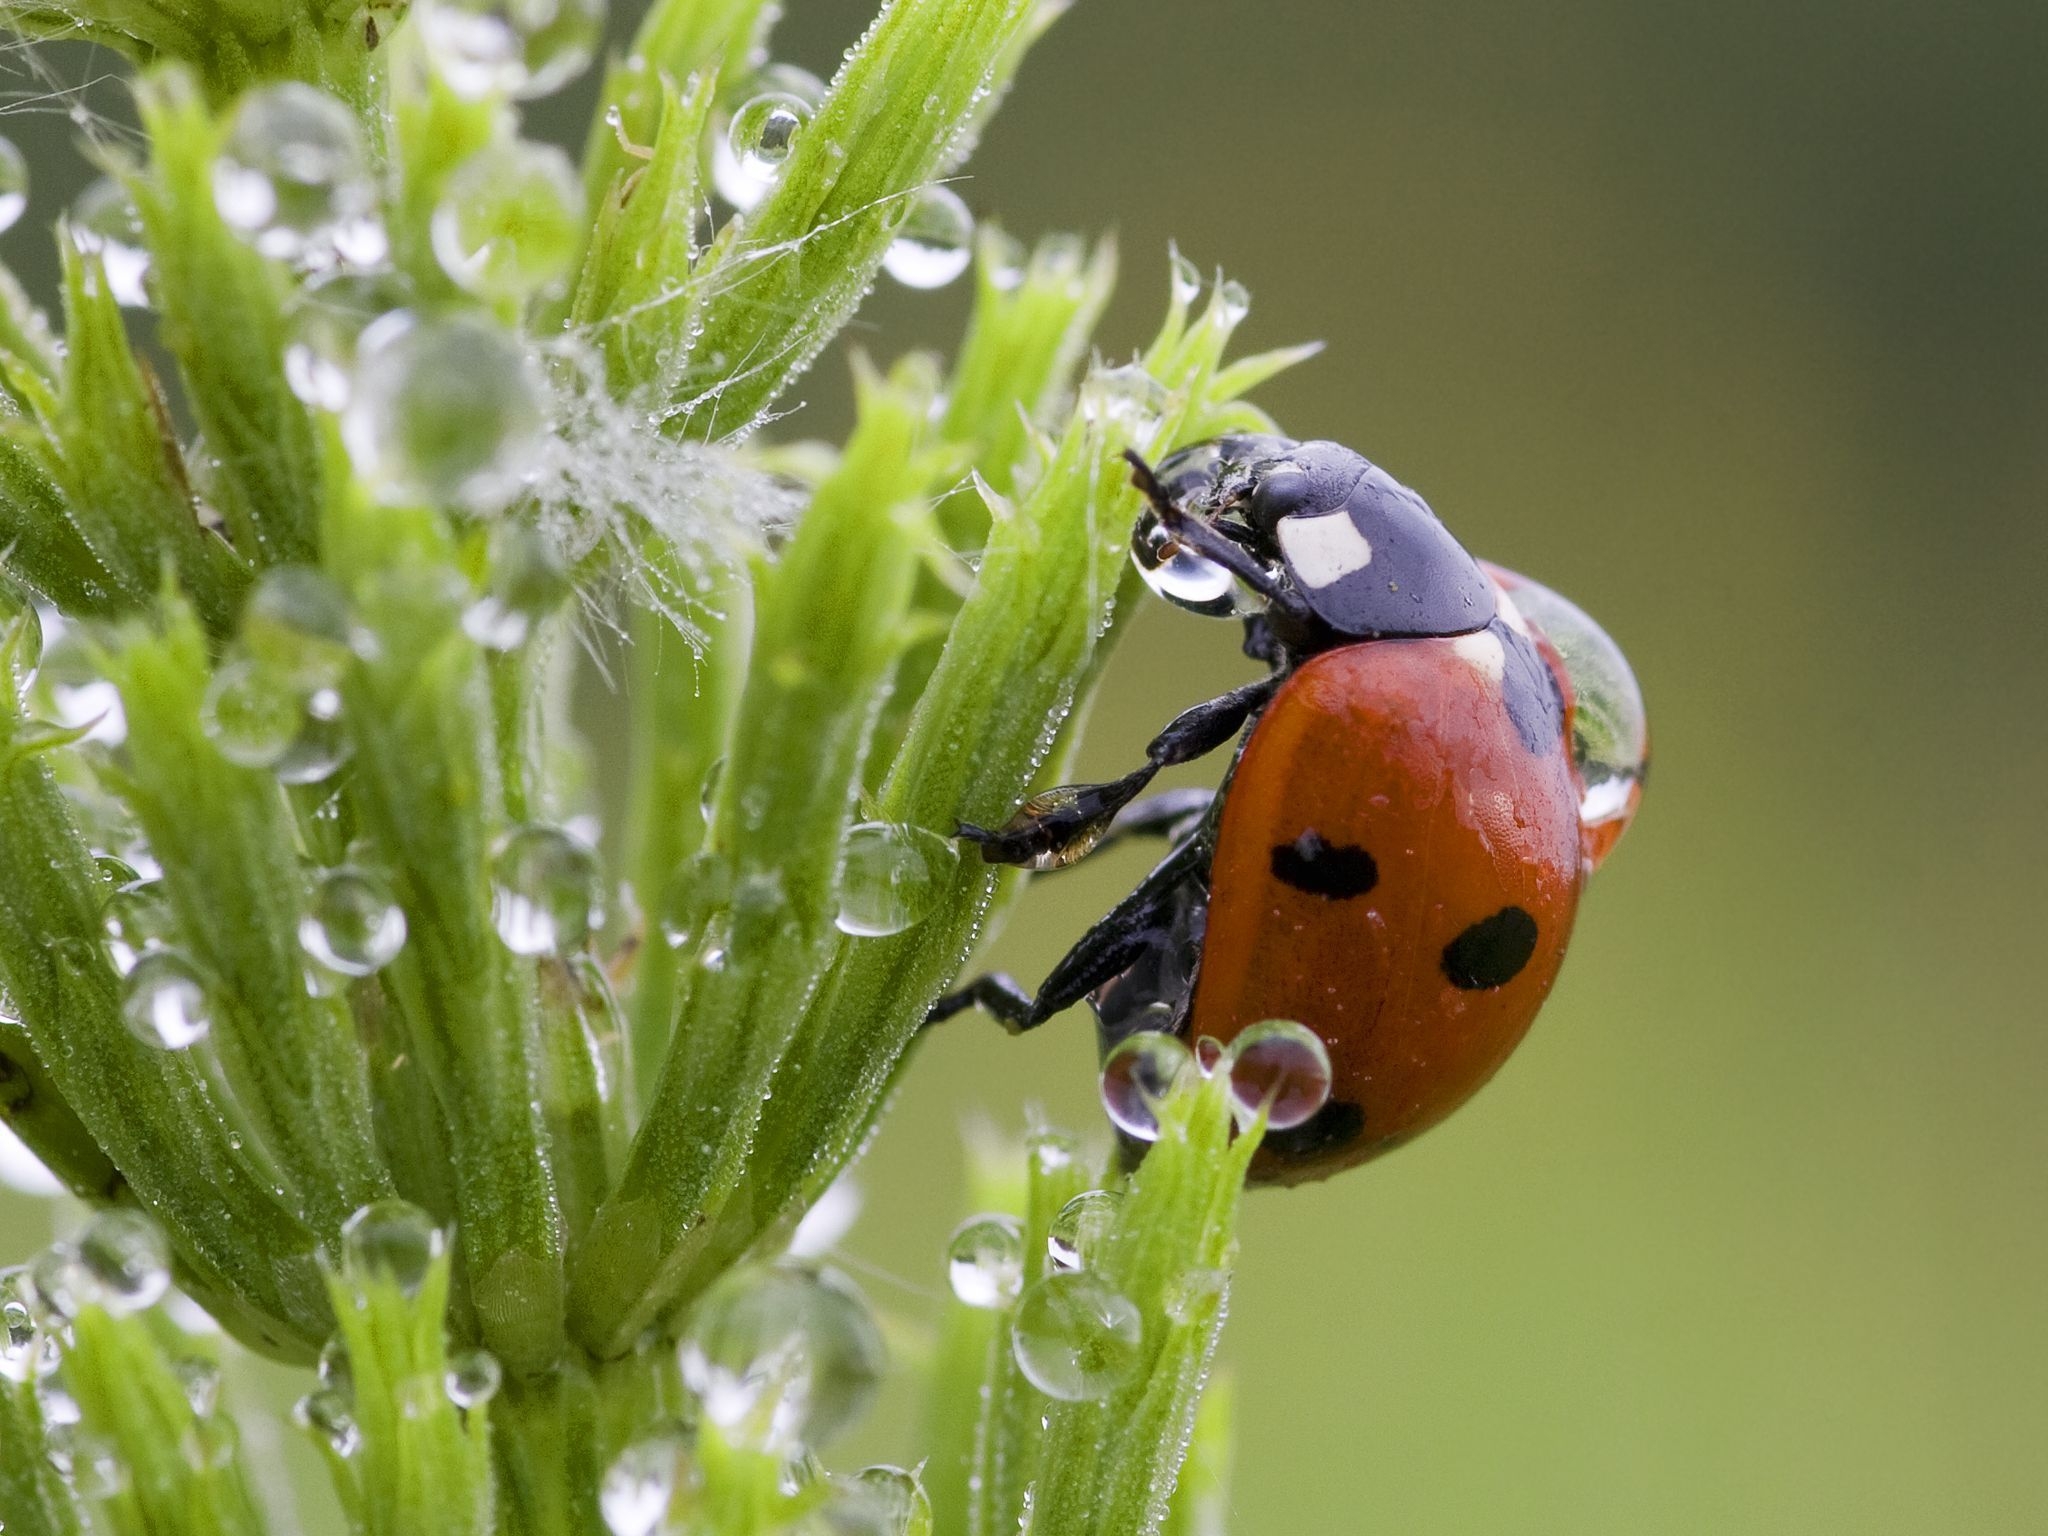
(1398, 867)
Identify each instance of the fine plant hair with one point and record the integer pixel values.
(362, 1030)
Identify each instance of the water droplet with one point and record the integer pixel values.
(321, 746)
(707, 793)
(201, 1380)
(641, 1482)
(297, 624)
(137, 918)
(547, 891)
(1051, 1152)
(1075, 1337)
(875, 1501)
(447, 410)
(510, 220)
(127, 1258)
(526, 584)
(1184, 277)
(1610, 728)
(892, 876)
(1281, 1067)
(934, 242)
(1004, 260)
(757, 143)
(294, 172)
(326, 1414)
(64, 1287)
(334, 1370)
(1177, 573)
(1233, 301)
(1126, 402)
(250, 713)
(97, 1470)
(19, 1336)
(392, 1241)
(985, 1261)
(1079, 1229)
(521, 48)
(323, 323)
(473, 1378)
(782, 1359)
(13, 184)
(1136, 1078)
(164, 1002)
(353, 924)
(103, 221)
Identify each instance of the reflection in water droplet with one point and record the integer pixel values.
(782, 1359)
(892, 876)
(1610, 727)
(18, 1333)
(137, 919)
(1075, 1337)
(748, 157)
(1281, 1067)
(392, 1242)
(103, 222)
(1081, 1227)
(1233, 301)
(13, 184)
(1177, 573)
(294, 173)
(510, 220)
(127, 1258)
(641, 1482)
(875, 1501)
(473, 1378)
(321, 746)
(326, 1413)
(164, 1003)
(449, 410)
(546, 891)
(1136, 1078)
(985, 1261)
(353, 924)
(934, 242)
(521, 48)
(201, 1380)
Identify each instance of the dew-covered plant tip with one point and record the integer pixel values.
(373, 439)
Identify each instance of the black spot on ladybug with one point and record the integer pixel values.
(1335, 870)
(1336, 1124)
(1492, 952)
(1530, 691)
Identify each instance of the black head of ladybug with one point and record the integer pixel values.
(1365, 554)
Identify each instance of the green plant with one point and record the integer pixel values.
(309, 950)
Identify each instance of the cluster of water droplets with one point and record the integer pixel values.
(1276, 1068)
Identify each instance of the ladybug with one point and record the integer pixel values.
(1441, 753)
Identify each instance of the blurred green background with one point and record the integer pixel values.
(1730, 322)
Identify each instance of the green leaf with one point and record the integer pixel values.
(34, 1499)
(222, 309)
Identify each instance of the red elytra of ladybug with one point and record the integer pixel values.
(1396, 858)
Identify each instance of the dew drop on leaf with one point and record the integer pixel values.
(1280, 1067)
(13, 184)
(521, 48)
(1075, 1238)
(391, 1242)
(891, 877)
(985, 1261)
(510, 221)
(935, 241)
(546, 891)
(641, 1482)
(472, 1378)
(1136, 1078)
(125, 1254)
(164, 1002)
(1075, 1337)
(353, 925)
(293, 177)
(782, 1359)
(103, 222)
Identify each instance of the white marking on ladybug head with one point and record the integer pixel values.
(1508, 611)
(1323, 550)
(1482, 648)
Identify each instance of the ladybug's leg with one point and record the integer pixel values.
(1216, 546)
(1140, 922)
(1053, 829)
